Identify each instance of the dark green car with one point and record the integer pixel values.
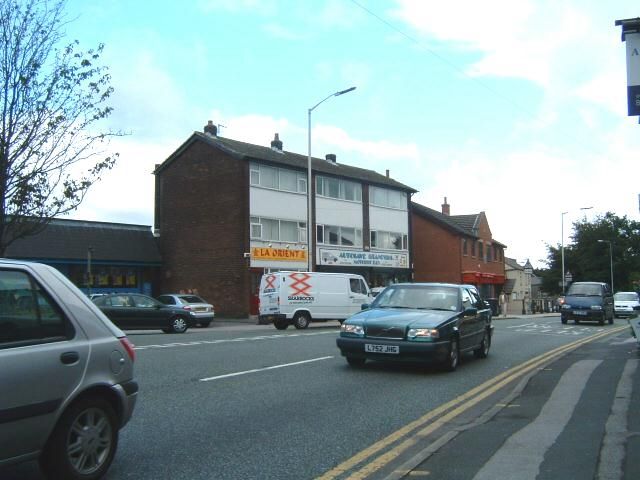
(134, 311)
(418, 322)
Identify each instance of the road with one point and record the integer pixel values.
(248, 401)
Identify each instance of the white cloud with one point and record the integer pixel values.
(278, 31)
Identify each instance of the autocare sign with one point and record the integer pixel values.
(300, 288)
(633, 72)
(363, 259)
(278, 254)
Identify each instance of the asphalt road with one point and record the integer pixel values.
(249, 401)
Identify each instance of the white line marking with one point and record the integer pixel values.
(264, 369)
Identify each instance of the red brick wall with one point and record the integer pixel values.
(436, 252)
(476, 264)
(204, 227)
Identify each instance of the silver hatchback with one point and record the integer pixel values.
(66, 375)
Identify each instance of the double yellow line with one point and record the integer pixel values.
(443, 414)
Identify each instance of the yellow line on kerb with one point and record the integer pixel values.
(456, 406)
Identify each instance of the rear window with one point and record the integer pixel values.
(585, 289)
(626, 297)
(191, 299)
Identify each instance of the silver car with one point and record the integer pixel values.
(201, 311)
(66, 375)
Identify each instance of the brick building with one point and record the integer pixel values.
(456, 249)
(228, 211)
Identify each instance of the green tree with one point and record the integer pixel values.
(52, 98)
(589, 257)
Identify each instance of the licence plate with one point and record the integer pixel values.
(394, 349)
(579, 312)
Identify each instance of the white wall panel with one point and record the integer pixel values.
(388, 219)
(274, 204)
(340, 213)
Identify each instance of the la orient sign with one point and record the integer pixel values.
(278, 254)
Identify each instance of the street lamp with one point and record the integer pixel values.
(562, 243)
(309, 229)
(610, 258)
(89, 279)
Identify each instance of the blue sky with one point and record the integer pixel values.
(517, 109)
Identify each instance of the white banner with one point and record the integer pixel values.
(355, 258)
(633, 72)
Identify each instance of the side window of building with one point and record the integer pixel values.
(464, 246)
(28, 315)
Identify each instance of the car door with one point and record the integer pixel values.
(150, 313)
(119, 310)
(468, 325)
(42, 360)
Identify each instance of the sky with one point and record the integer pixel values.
(517, 109)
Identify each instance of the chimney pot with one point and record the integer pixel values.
(446, 208)
(276, 144)
(331, 157)
(210, 128)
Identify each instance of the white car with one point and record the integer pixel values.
(201, 311)
(626, 304)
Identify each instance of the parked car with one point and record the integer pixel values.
(626, 304)
(417, 322)
(588, 301)
(67, 375)
(138, 311)
(201, 310)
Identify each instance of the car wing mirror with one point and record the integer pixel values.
(365, 306)
(470, 311)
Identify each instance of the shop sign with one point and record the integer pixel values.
(278, 254)
(354, 258)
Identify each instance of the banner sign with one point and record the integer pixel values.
(354, 258)
(633, 72)
(278, 254)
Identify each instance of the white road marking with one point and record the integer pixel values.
(229, 340)
(255, 370)
(524, 451)
(612, 451)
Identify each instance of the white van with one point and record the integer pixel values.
(297, 298)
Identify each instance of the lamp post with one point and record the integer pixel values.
(89, 279)
(562, 244)
(610, 259)
(309, 226)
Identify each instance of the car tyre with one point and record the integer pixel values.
(611, 319)
(453, 356)
(563, 320)
(83, 443)
(178, 325)
(602, 319)
(301, 320)
(576, 321)
(483, 350)
(280, 324)
(356, 361)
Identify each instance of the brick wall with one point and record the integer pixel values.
(436, 252)
(204, 227)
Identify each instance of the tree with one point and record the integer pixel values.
(52, 99)
(590, 260)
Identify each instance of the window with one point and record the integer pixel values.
(464, 246)
(481, 250)
(283, 179)
(357, 286)
(339, 189)
(389, 240)
(489, 252)
(334, 235)
(384, 197)
(270, 229)
(27, 313)
(467, 301)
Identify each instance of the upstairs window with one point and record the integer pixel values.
(339, 189)
(282, 179)
(385, 197)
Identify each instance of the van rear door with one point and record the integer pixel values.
(269, 291)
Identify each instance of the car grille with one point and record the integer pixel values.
(375, 331)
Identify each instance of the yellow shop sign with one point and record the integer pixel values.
(278, 254)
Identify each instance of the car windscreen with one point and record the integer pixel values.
(585, 289)
(626, 297)
(427, 297)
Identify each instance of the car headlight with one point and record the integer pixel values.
(596, 307)
(566, 306)
(422, 333)
(351, 329)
